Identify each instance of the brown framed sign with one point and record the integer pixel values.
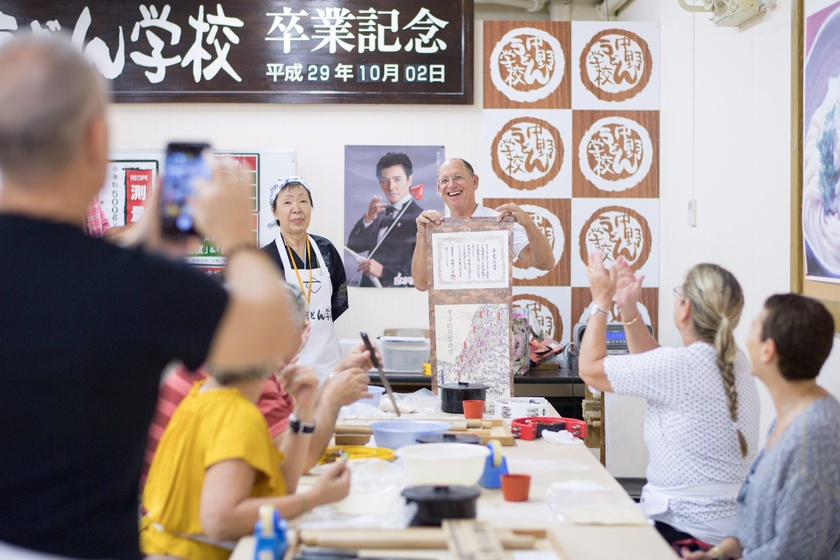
(815, 198)
(267, 51)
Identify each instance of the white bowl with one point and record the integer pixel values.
(374, 400)
(444, 463)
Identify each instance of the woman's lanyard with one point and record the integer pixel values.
(297, 273)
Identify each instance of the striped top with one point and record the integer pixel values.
(275, 404)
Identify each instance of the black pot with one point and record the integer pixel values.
(449, 438)
(453, 395)
(436, 503)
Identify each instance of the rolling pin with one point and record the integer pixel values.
(432, 538)
(469, 424)
(353, 429)
(459, 426)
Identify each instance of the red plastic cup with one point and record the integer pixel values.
(473, 409)
(515, 487)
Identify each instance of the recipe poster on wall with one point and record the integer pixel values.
(134, 175)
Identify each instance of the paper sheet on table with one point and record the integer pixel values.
(605, 514)
(364, 504)
(586, 502)
(577, 485)
(535, 555)
(375, 500)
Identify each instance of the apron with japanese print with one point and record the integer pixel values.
(321, 351)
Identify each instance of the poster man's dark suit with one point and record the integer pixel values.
(395, 251)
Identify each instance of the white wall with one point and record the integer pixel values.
(726, 141)
(319, 133)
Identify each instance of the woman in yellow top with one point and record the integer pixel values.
(216, 465)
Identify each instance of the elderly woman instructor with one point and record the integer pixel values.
(312, 263)
(701, 418)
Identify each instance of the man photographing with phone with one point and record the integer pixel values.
(87, 327)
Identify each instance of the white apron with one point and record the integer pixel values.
(322, 351)
(655, 502)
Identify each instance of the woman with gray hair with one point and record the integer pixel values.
(702, 413)
(312, 263)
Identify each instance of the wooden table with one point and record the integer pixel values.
(551, 463)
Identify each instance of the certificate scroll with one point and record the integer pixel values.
(470, 295)
(471, 260)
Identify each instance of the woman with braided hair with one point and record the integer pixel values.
(789, 506)
(702, 409)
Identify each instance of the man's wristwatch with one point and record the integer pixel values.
(298, 427)
(595, 308)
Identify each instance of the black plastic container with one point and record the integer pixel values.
(453, 395)
(436, 503)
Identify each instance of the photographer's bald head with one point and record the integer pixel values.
(53, 129)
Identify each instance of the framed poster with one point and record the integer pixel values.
(385, 189)
(816, 126)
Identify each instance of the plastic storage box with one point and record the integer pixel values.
(404, 353)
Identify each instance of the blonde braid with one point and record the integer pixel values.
(726, 352)
(716, 303)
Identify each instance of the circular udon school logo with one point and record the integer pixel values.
(615, 65)
(527, 153)
(615, 154)
(543, 312)
(617, 231)
(527, 64)
(550, 226)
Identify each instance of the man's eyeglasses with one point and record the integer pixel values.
(678, 292)
(444, 182)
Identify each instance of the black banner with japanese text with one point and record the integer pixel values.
(291, 51)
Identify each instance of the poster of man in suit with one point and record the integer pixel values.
(385, 189)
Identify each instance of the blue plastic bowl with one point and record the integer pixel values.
(394, 434)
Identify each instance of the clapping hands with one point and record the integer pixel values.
(628, 287)
(618, 282)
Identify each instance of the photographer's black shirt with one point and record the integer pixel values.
(85, 330)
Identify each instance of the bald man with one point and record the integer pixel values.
(457, 183)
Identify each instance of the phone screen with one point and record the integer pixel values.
(184, 164)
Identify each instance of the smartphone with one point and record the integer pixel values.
(185, 162)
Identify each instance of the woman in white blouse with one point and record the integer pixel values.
(702, 413)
